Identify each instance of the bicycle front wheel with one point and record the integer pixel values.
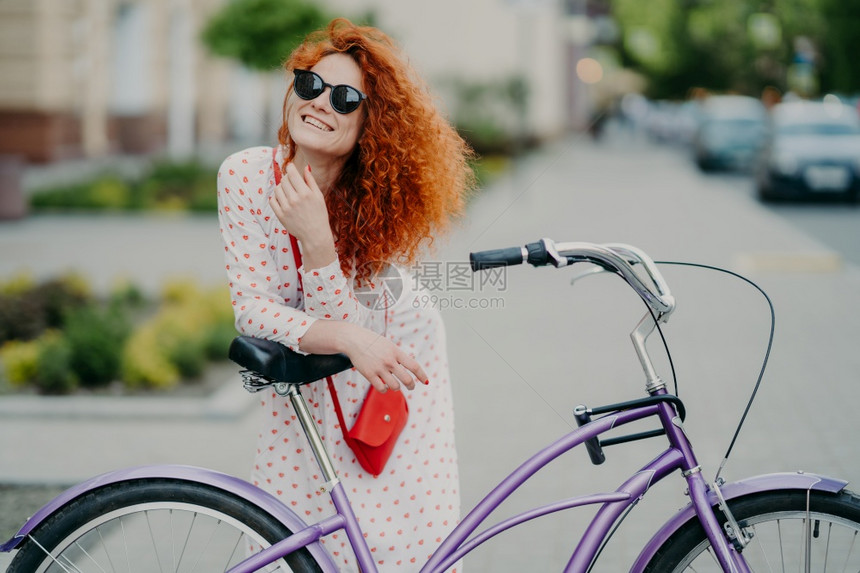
(791, 531)
(155, 525)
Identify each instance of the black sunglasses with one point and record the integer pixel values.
(344, 99)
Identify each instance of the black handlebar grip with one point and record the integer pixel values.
(496, 258)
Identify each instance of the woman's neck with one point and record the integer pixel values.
(325, 170)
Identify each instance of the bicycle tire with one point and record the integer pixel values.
(782, 535)
(159, 525)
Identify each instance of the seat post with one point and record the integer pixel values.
(310, 428)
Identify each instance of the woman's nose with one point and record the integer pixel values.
(323, 101)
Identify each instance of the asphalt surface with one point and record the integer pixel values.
(524, 348)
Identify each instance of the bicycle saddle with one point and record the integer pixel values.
(278, 363)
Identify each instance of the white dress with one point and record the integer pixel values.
(407, 510)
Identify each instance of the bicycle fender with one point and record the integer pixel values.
(757, 484)
(228, 483)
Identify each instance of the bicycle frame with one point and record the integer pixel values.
(679, 456)
(461, 541)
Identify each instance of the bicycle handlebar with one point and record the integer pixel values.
(614, 257)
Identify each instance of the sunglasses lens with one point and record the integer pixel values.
(345, 99)
(308, 85)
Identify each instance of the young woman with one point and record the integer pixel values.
(369, 173)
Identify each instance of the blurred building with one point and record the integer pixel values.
(89, 78)
(94, 77)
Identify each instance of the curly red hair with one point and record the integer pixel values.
(408, 176)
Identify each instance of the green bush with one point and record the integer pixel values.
(191, 328)
(21, 318)
(165, 186)
(43, 363)
(96, 338)
(18, 284)
(105, 192)
(144, 364)
(126, 294)
(57, 336)
(27, 309)
(110, 193)
(53, 366)
(19, 359)
(218, 339)
(182, 337)
(58, 297)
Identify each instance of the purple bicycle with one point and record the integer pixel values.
(176, 518)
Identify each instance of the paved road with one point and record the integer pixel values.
(835, 223)
(542, 348)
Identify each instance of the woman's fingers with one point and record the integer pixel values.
(399, 370)
(403, 376)
(303, 210)
(411, 365)
(302, 182)
(389, 381)
(395, 379)
(380, 361)
(281, 200)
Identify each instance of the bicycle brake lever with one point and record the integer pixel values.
(587, 272)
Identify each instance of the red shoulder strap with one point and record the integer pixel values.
(338, 411)
(297, 255)
(294, 243)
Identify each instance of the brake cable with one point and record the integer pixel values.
(764, 362)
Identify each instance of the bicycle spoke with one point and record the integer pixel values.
(154, 543)
(206, 547)
(850, 552)
(125, 544)
(72, 565)
(105, 549)
(764, 554)
(713, 556)
(787, 536)
(49, 555)
(233, 553)
(173, 543)
(780, 545)
(90, 557)
(187, 537)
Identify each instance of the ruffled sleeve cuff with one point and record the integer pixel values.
(328, 294)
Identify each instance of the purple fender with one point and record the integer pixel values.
(757, 484)
(234, 485)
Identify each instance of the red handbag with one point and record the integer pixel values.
(380, 421)
(382, 416)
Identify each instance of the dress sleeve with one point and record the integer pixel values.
(328, 294)
(261, 273)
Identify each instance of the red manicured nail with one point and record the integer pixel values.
(426, 382)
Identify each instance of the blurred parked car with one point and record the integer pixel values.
(730, 133)
(813, 150)
(671, 122)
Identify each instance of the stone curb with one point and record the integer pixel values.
(228, 403)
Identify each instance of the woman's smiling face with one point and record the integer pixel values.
(314, 126)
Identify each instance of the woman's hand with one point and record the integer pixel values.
(375, 357)
(300, 206)
(382, 362)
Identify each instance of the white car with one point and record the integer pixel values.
(812, 151)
